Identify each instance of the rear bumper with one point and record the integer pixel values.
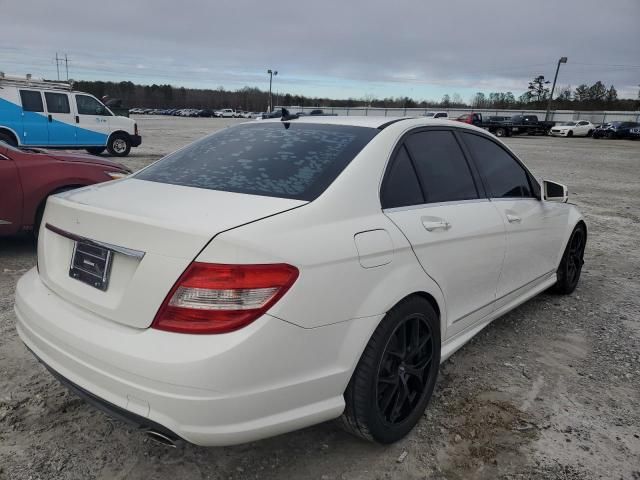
(136, 140)
(269, 378)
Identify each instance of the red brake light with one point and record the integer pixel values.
(214, 298)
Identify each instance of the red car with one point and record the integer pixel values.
(29, 176)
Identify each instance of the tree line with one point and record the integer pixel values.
(584, 97)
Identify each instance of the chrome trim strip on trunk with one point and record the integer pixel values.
(129, 252)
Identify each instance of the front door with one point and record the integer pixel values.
(62, 125)
(456, 233)
(534, 228)
(35, 129)
(10, 195)
(92, 121)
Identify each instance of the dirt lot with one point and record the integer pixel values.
(550, 391)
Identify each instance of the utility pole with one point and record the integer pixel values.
(66, 64)
(271, 74)
(58, 66)
(553, 87)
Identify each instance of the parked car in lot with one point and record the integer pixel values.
(225, 113)
(579, 128)
(226, 294)
(616, 130)
(29, 176)
(38, 113)
(436, 115)
(516, 125)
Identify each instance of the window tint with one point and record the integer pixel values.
(31, 101)
(504, 176)
(57, 102)
(400, 187)
(289, 160)
(443, 171)
(90, 106)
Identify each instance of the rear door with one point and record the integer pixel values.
(93, 121)
(62, 126)
(534, 228)
(10, 195)
(431, 193)
(35, 129)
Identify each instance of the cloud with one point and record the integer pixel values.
(331, 47)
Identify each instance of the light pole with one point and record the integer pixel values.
(271, 74)
(553, 87)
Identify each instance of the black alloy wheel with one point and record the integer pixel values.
(572, 261)
(397, 372)
(404, 370)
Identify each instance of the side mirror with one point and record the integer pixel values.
(554, 192)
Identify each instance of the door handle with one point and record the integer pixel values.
(513, 218)
(50, 118)
(431, 225)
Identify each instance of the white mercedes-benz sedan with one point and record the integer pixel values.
(278, 274)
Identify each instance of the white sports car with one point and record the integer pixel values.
(580, 128)
(278, 274)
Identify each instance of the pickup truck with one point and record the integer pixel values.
(516, 125)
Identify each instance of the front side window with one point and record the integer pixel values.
(57, 102)
(442, 169)
(503, 175)
(31, 101)
(287, 160)
(90, 106)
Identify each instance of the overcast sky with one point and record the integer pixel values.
(338, 48)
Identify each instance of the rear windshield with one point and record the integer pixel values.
(298, 162)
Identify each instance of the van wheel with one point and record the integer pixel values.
(9, 139)
(395, 377)
(119, 145)
(96, 150)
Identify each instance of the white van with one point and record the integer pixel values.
(40, 113)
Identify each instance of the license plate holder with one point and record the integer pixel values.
(91, 264)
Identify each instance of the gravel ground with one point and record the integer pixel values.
(550, 391)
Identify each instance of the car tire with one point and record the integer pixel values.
(40, 212)
(96, 150)
(611, 135)
(395, 377)
(500, 132)
(572, 261)
(590, 133)
(119, 145)
(8, 139)
(570, 133)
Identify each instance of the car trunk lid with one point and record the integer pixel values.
(154, 232)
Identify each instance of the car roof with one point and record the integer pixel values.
(378, 122)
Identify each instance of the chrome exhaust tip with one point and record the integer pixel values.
(161, 438)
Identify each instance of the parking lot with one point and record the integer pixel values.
(550, 391)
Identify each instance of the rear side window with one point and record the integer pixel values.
(504, 176)
(31, 101)
(288, 160)
(400, 187)
(442, 169)
(57, 102)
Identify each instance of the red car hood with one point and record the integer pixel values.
(85, 158)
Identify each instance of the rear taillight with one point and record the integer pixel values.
(214, 298)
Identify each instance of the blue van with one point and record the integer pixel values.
(40, 113)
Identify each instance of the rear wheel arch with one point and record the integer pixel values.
(9, 135)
